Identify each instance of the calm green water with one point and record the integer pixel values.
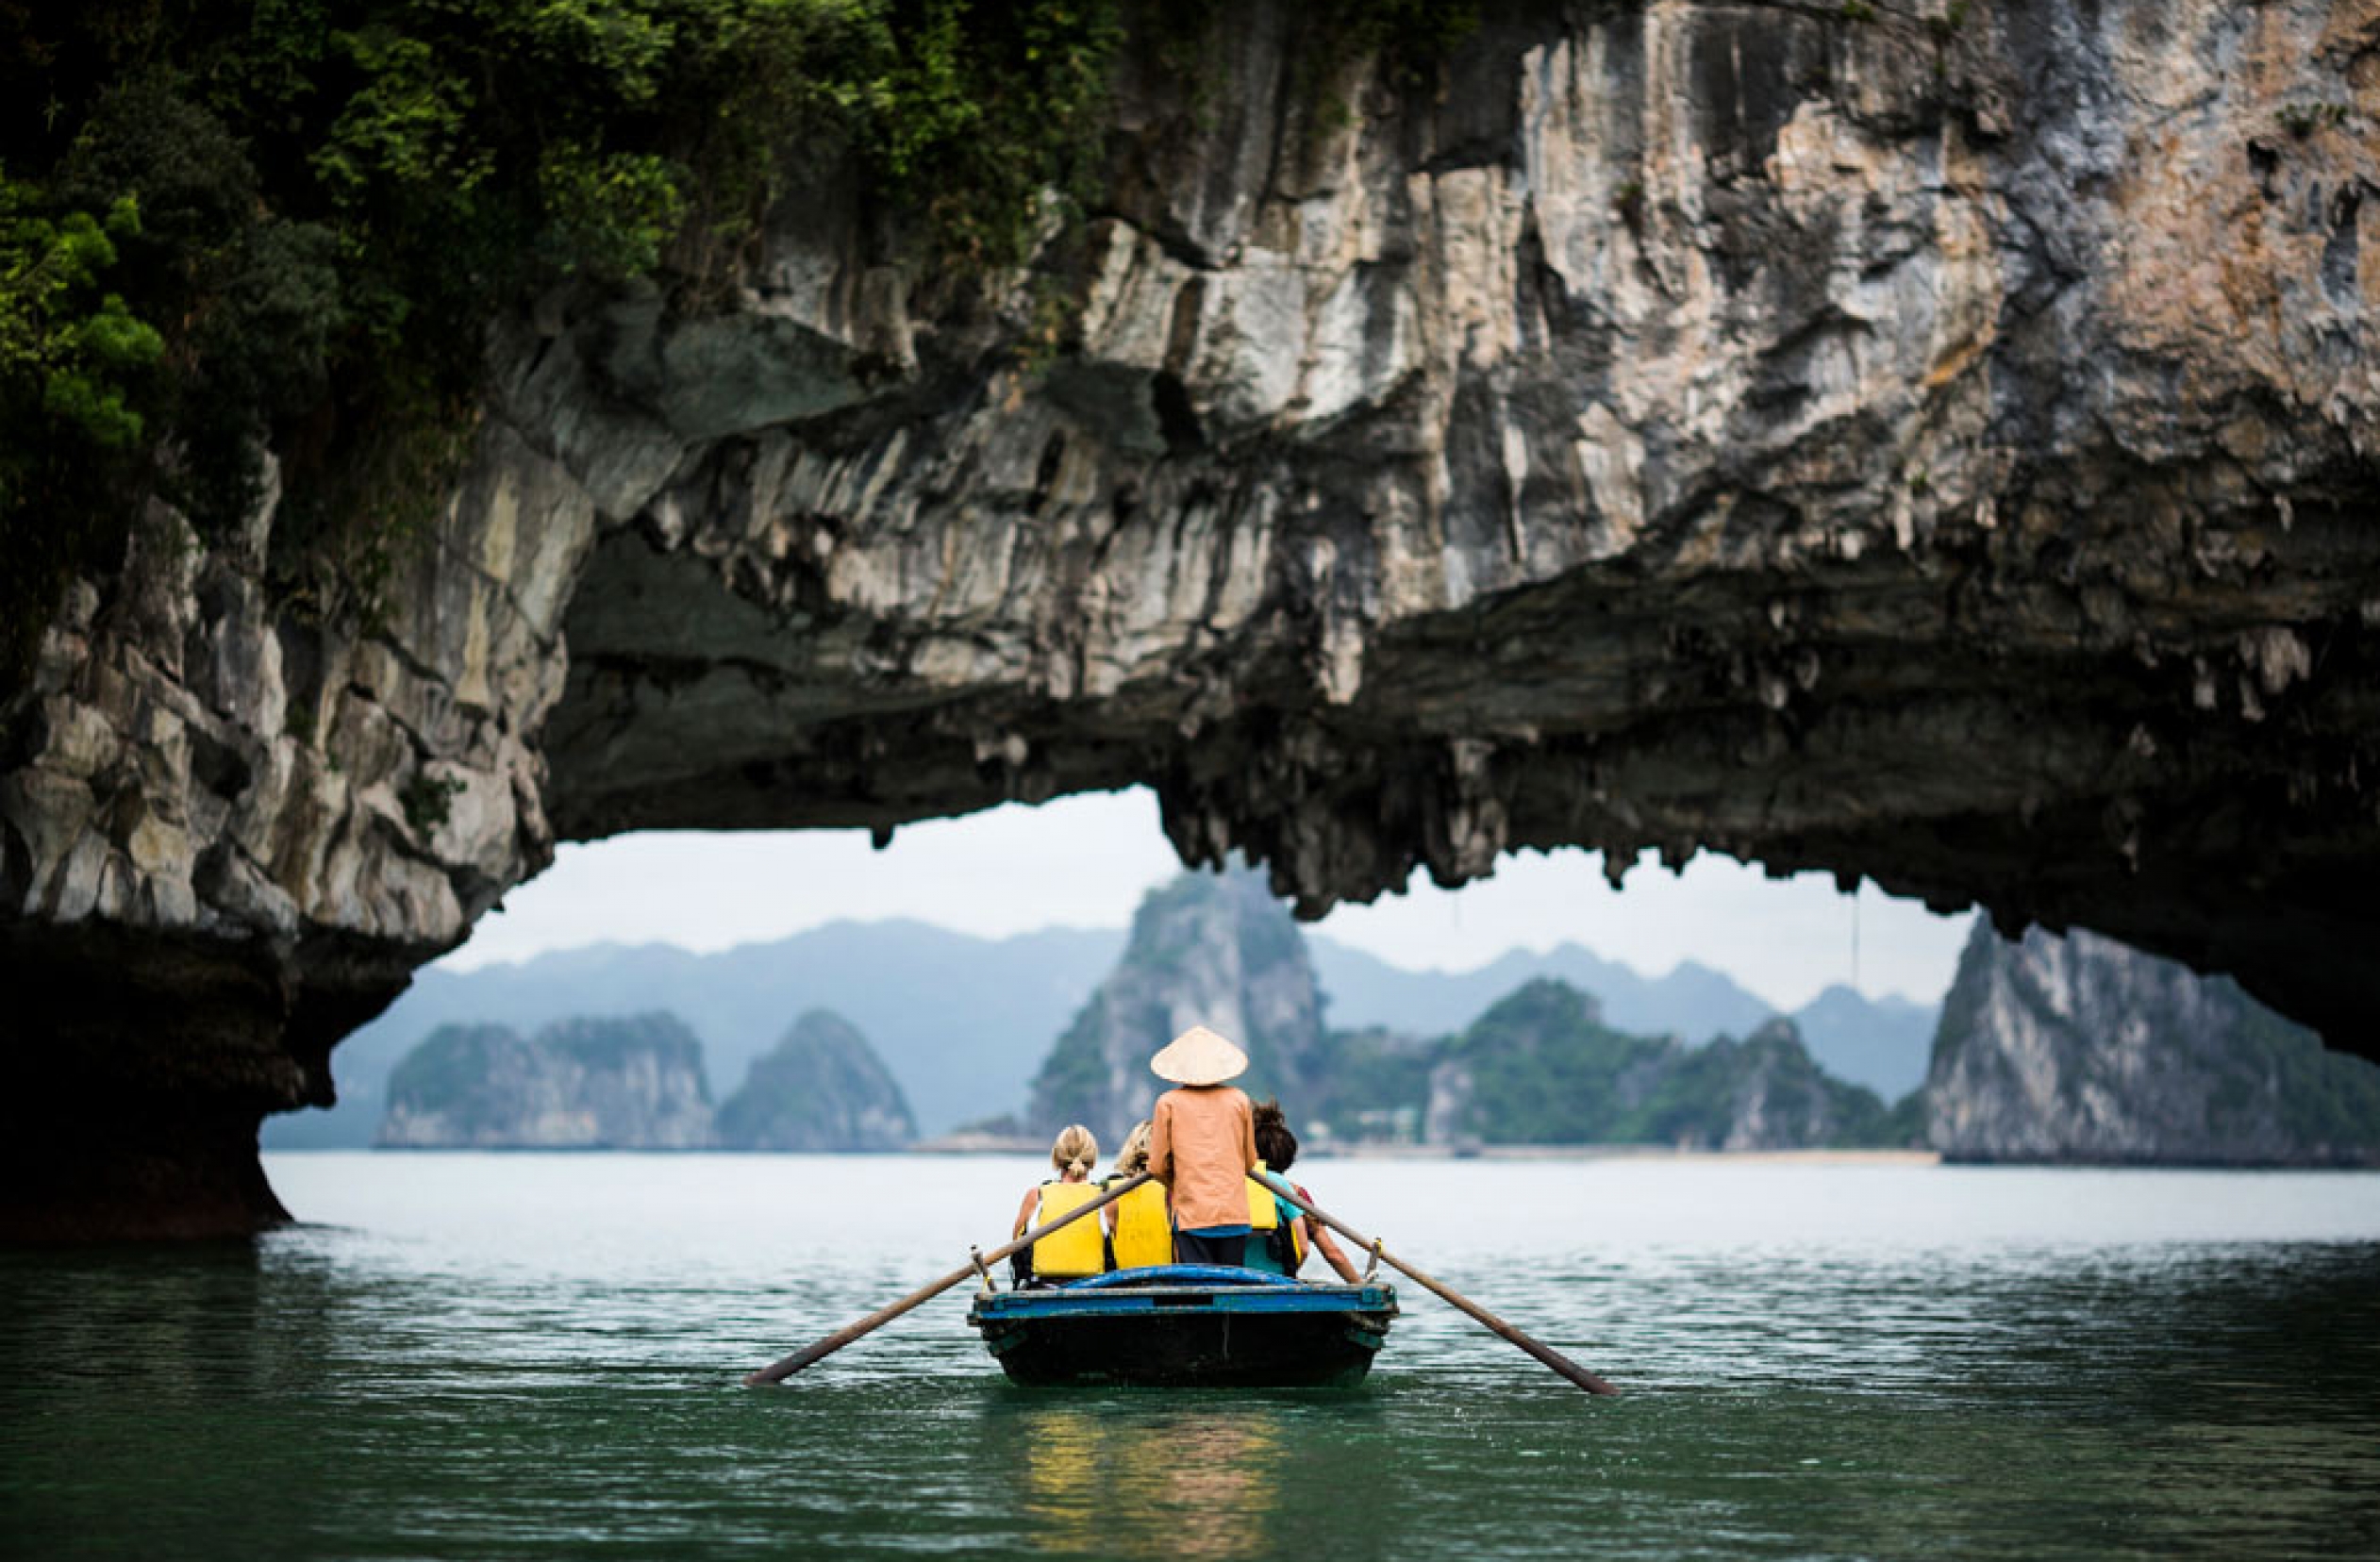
(537, 1356)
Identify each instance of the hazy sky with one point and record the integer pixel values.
(1086, 861)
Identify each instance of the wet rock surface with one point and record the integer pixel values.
(1939, 448)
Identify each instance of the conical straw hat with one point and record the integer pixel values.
(1199, 1056)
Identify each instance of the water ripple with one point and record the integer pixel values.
(538, 1358)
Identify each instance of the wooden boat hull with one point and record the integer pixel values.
(1187, 1325)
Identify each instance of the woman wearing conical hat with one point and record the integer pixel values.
(1202, 1145)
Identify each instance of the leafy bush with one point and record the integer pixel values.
(428, 801)
(307, 213)
(73, 360)
(289, 222)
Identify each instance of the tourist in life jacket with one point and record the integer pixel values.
(1140, 1235)
(1202, 1145)
(1294, 1233)
(1078, 1251)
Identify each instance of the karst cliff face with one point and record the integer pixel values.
(633, 1082)
(1207, 950)
(2079, 1049)
(1937, 445)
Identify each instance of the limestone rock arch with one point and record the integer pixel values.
(1940, 454)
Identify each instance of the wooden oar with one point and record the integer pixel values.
(1546, 1353)
(876, 1320)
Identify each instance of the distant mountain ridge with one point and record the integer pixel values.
(1880, 1043)
(1544, 1067)
(2048, 1049)
(967, 1041)
(960, 1021)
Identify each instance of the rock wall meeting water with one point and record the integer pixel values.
(636, 1082)
(2079, 1049)
(1930, 443)
(633, 1083)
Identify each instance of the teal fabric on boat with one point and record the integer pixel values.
(1264, 1252)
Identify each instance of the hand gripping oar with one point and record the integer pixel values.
(1546, 1353)
(876, 1320)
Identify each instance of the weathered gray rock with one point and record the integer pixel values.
(2079, 1049)
(1212, 949)
(822, 1087)
(1933, 450)
(632, 1082)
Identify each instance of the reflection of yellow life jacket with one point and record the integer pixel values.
(1075, 1252)
(1144, 1234)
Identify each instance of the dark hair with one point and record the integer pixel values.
(1274, 1142)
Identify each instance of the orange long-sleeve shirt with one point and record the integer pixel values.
(1202, 1146)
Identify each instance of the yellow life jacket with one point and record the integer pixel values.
(1264, 1221)
(1144, 1232)
(1263, 1214)
(1075, 1252)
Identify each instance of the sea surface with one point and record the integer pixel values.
(524, 1356)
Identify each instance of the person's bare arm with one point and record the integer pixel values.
(1024, 1212)
(1318, 1236)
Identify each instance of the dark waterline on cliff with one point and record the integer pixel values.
(533, 1356)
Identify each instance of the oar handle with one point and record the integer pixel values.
(779, 1372)
(1546, 1354)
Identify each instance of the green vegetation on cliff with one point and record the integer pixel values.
(287, 223)
(1540, 1067)
(448, 1074)
(284, 225)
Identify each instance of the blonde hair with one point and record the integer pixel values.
(1133, 1156)
(1075, 1150)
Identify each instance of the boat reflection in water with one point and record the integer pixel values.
(1202, 1480)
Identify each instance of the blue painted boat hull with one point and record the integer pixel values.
(1185, 1326)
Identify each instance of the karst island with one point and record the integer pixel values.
(1932, 445)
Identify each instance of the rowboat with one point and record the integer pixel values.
(1187, 1325)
